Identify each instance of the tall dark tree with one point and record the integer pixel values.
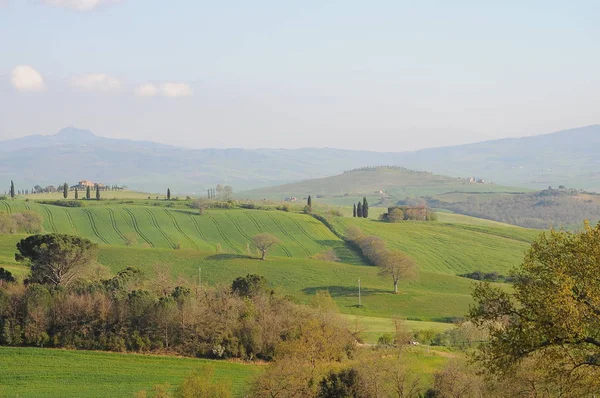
(88, 192)
(168, 193)
(56, 259)
(365, 208)
(309, 202)
(354, 211)
(97, 192)
(65, 190)
(12, 189)
(76, 194)
(359, 212)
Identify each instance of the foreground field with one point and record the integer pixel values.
(39, 372)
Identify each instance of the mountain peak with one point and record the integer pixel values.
(74, 133)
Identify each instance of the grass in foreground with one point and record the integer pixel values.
(42, 372)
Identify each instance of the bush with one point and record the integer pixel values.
(63, 203)
(284, 207)
(6, 276)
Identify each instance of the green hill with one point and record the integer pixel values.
(396, 182)
(227, 231)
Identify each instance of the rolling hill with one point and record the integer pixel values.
(564, 158)
(216, 242)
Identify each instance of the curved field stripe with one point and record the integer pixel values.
(198, 228)
(301, 228)
(178, 228)
(157, 226)
(70, 219)
(93, 225)
(27, 206)
(256, 224)
(283, 231)
(137, 227)
(113, 221)
(50, 219)
(222, 234)
(8, 209)
(237, 226)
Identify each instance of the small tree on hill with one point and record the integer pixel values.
(97, 192)
(12, 189)
(365, 208)
(264, 242)
(65, 190)
(88, 193)
(396, 265)
(354, 211)
(309, 201)
(76, 194)
(56, 259)
(168, 193)
(359, 212)
(249, 285)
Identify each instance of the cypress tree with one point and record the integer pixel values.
(88, 193)
(354, 211)
(76, 194)
(365, 208)
(12, 189)
(65, 190)
(359, 212)
(309, 202)
(97, 192)
(168, 193)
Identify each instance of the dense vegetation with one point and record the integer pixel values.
(551, 207)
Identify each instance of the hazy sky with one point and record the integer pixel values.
(381, 75)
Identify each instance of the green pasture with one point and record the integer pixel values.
(42, 372)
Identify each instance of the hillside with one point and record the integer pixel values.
(442, 250)
(394, 182)
(563, 158)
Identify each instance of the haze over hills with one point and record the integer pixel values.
(567, 158)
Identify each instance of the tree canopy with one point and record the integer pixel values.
(56, 259)
(553, 316)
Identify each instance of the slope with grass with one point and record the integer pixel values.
(37, 373)
(228, 231)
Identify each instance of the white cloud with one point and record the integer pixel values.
(176, 90)
(97, 82)
(146, 90)
(81, 5)
(25, 78)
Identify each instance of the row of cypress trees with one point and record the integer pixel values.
(361, 209)
(88, 193)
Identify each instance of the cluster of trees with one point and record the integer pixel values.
(361, 209)
(220, 192)
(533, 210)
(26, 222)
(60, 305)
(392, 264)
(487, 276)
(408, 213)
(375, 168)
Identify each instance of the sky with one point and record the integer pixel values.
(384, 75)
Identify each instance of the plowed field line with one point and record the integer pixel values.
(50, 219)
(178, 228)
(198, 227)
(283, 231)
(73, 227)
(222, 234)
(136, 227)
(157, 226)
(113, 221)
(94, 226)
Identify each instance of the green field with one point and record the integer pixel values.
(226, 231)
(40, 372)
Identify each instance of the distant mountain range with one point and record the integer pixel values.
(564, 158)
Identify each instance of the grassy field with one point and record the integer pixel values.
(227, 231)
(34, 372)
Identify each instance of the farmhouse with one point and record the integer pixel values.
(83, 184)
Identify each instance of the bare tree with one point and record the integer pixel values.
(264, 242)
(396, 265)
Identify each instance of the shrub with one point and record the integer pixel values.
(63, 203)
